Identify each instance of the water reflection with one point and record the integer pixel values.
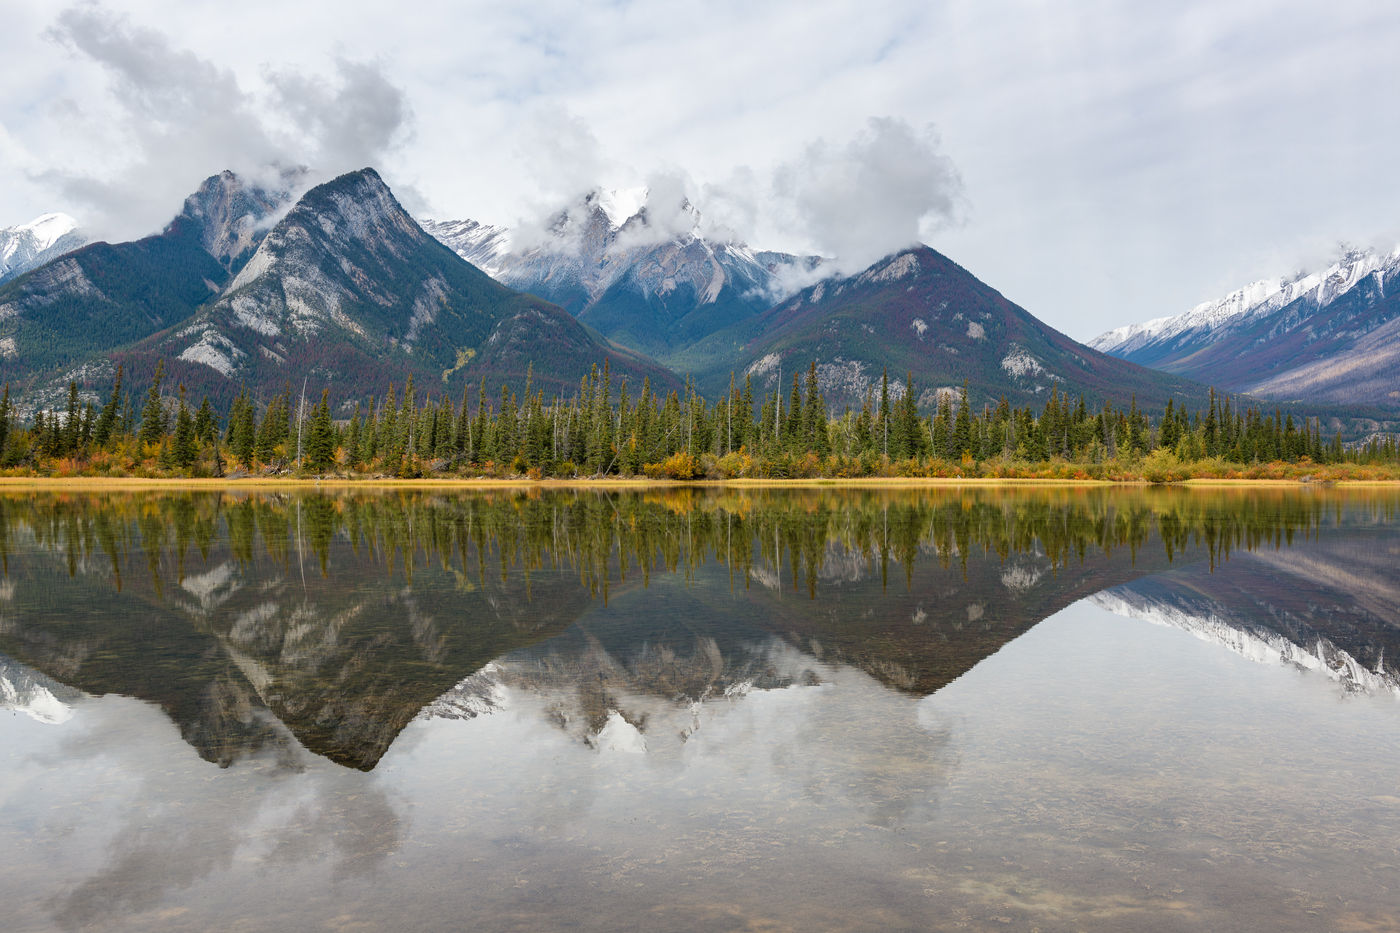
(159, 834)
(697, 710)
(263, 622)
(1332, 607)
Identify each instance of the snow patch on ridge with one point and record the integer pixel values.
(28, 246)
(479, 694)
(47, 229)
(619, 735)
(1020, 578)
(621, 204)
(27, 691)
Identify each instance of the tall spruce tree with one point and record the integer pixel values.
(184, 448)
(153, 413)
(319, 448)
(107, 420)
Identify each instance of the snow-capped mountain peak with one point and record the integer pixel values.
(620, 204)
(28, 246)
(1323, 336)
(1255, 300)
(633, 264)
(48, 229)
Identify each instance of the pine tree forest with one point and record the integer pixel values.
(609, 428)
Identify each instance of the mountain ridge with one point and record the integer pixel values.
(346, 285)
(918, 312)
(62, 320)
(1327, 337)
(653, 285)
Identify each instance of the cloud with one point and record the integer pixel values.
(852, 202)
(348, 125)
(563, 158)
(1167, 153)
(182, 118)
(861, 200)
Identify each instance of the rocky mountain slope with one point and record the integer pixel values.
(637, 282)
(62, 319)
(919, 312)
(1331, 336)
(349, 290)
(28, 246)
(345, 289)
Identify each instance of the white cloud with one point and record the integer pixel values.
(180, 117)
(1119, 162)
(863, 199)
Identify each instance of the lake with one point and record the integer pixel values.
(718, 709)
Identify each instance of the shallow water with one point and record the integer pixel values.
(806, 710)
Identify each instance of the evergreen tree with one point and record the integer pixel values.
(962, 427)
(941, 430)
(272, 433)
(319, 448)
(184, 448)
(153, 414)
(907, 439)
(814, 415)
(368, 449)
(102, 432)
(206, 424)
(352, 437)
(4, 423)
(242, 429)
(72, 424)
(882, 425)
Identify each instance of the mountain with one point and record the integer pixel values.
(482, 245)
(655, 287)
(349, 290)
(1331, 336)
(1330, 608)
(919, 312)
(63, 318)
(30, 245)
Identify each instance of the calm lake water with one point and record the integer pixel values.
(714, 710)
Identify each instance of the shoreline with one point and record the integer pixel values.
(132, 483)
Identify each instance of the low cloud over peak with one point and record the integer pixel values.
(181, 118)
(852, 201)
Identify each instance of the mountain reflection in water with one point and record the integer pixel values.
(328, 622)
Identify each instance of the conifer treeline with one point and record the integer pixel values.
(603, 429)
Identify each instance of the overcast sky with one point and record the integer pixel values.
(1098, 162)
